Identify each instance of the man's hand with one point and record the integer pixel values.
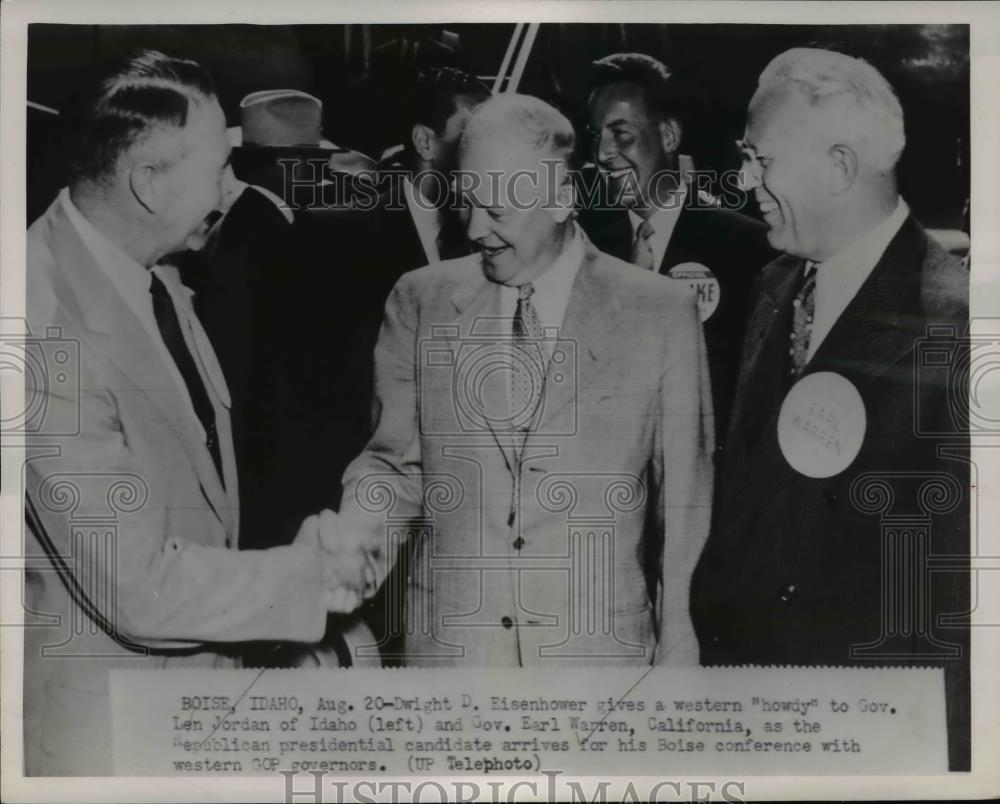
(348, 574)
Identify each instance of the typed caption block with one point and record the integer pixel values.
(523, 722)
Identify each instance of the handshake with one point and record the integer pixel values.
(349, 565)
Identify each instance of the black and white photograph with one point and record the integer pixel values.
(591, 400)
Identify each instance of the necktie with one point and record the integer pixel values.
(803, 310)
(642, 248)
(173, 336)
(528, 369)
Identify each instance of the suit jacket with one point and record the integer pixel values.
(588, 557)
(798, 569)
(135, 564)
(733, 247)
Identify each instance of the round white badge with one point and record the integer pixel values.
(702, 282)
(821, 424)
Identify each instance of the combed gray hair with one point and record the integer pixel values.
(523, 117)
(826, 77)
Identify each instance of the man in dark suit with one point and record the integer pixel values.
(846, 474)
(417, 224)
(653, 217)
(280, 290)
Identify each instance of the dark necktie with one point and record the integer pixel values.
(173, 337)
(803, 311)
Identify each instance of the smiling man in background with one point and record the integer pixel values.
(659, 220)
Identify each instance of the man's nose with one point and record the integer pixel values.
(478, 224)
(749, 176)
(604, 147)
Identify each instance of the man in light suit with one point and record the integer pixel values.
(544, 431)
(131, 482)
(846, 464)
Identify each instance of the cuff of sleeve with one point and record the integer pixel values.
(306, 603)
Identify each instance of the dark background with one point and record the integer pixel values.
(361, 73)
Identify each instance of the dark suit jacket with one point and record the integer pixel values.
(286, 307)
(734, 247)
(795, 571)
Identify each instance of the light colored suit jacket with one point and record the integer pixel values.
(587, 559)
(136, 563)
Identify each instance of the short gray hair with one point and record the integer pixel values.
(825, 77)
(525, 118)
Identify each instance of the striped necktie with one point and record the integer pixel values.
(528, 369)
(803, 312)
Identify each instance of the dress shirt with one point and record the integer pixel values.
(132, 281)
(663, 222)
(551, 296)
(839, 278)
(552, 288)
(426, 218)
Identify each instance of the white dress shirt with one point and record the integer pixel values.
(132, 282)
(552, 288)
(839, 278)
(550, 299)
(663, 222)
(426, 218)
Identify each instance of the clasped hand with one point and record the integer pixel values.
(348, 567)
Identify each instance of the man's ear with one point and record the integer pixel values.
(423, 139)
(670, 134)
(844, 162)
(565, 198)
(144, 182)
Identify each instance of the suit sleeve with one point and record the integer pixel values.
(385, 479)
(683, 467)
(142, 577)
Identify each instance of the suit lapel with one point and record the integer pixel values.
(591, 316)
(874, 330)
(762, 339)
(131, 349)
(678, 244)
(867, 340)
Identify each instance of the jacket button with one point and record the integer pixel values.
(787, 592)
(518, 543)
(507, 622)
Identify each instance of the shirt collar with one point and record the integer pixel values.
(129, 277)
(563, 271)
(839, 278)
(664, 218)
(864, 253)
